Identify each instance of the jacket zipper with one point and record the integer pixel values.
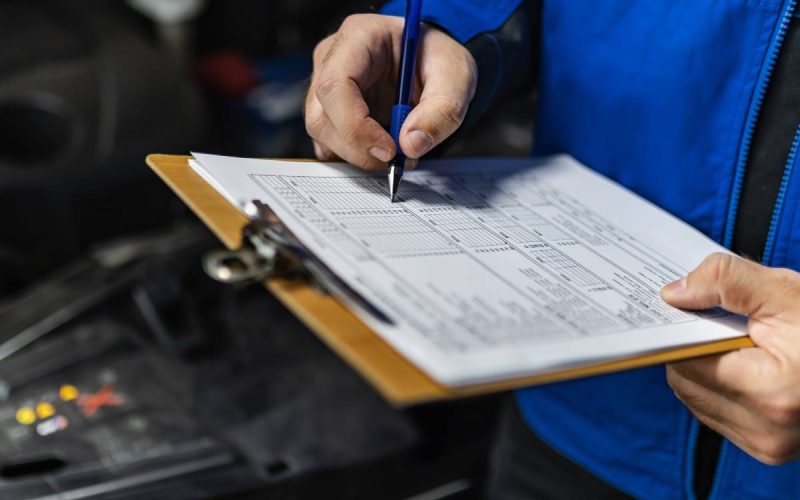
(718, 471)
(769, 248)
(694, 433)
(752, 118)
(766, 260)
(694, 430)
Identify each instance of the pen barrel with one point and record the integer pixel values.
(399, 114)
(408, 52)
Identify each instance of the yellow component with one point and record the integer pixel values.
(26, 415)
(45, 410)
(68, 392)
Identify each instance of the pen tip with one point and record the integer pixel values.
(395, 175)
(392, 184)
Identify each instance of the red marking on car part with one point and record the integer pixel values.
(90, 403)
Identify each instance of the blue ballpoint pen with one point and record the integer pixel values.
(405, 87)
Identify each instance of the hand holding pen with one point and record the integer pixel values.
(354, 85)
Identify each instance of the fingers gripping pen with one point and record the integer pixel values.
(405, 89)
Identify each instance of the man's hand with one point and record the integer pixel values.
(353, 89)
(750, 396)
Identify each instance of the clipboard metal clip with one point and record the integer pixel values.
(270, 250)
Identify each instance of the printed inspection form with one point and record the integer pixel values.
(491, 268)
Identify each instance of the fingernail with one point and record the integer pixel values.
(411, 163)
(381, 154)
(420, 142)
(674, 289)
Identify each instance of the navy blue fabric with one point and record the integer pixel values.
(655, 94)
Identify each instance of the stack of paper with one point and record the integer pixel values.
(491, 269)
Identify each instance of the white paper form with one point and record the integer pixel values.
(491, 268)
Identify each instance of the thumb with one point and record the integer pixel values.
(736, 284)
(432, 121)
(448, 76)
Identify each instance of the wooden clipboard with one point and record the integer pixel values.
(399, 381)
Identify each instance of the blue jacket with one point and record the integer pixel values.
(662, 96)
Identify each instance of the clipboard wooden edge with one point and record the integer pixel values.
(397, 379)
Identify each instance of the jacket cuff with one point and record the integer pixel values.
(462, 19)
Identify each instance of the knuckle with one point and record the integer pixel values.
(321, 49)
(351, 134)
(468, 68)
(471, 66)
(782, 412)
(314, 123)
(451, 113)
(325, 154)
(718, 265)
(776, 450)
(672, 378)
(327, 48)
(326, 87)
(312, 127)
(364, 30)
(769, 460)
(318, 151)
(354, 22)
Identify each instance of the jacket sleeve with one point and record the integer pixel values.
(462, 19)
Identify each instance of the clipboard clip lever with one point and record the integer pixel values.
(268, 250)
